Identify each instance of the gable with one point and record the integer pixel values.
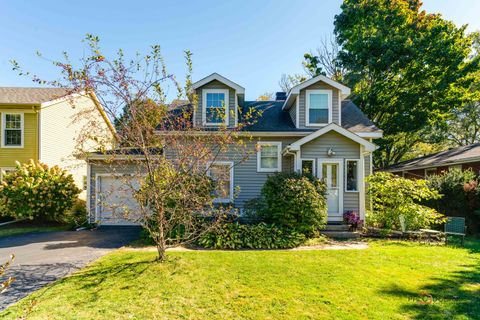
(333, 127)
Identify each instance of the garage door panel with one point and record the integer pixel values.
(116, 204)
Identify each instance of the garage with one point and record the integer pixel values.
(115, 204)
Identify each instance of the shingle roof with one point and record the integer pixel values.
(448, 157)
(275, 119)
(19, 95)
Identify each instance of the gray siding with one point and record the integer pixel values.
(302, 102)
(344, 149)
(215, 84)
(246, 177)
(368, 161)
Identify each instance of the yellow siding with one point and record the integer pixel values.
(8, 156)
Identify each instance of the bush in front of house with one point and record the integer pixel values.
(392, 196)
(294, 201)
(460, 196)
(234, 235)
(35, 191)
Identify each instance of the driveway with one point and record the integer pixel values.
(41, 258)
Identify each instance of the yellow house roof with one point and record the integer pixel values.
(19, 95)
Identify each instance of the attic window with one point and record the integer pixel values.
(215, 111)
(319, 107)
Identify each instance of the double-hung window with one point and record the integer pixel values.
(215, 106)
(269, 157)
(351, 175)
(319, 107)
(12, 130)
(221, 173)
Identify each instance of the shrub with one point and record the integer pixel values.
(256, 236)
(460, 196)
(392, 196)
(35, 191)
(77, 215)
(295, 201)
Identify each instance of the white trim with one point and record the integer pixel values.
(361, 183)
(372, 135)
(314, 173)
(279, 156)
(264, 133)
(222, 79)
(297, 112)
(89, 191)
(204, 106)
(22, 129)
(339, 180)
(2, 169)
(307, 107)
(335, 127)
(226, 163)
(358, 175)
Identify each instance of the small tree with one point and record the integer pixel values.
(169, 158)
(392, 196)
(35, 191)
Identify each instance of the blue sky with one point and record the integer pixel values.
(251, 42)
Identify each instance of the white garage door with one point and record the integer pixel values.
(115, 202)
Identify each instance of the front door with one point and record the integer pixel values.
(330, 171)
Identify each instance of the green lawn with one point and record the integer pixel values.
(385, 281)
(14, 229)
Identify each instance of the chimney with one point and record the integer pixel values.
(280, 96)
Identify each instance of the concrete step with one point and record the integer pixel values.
(341, 234)
(337, 227)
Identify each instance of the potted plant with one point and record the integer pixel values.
(352, 218)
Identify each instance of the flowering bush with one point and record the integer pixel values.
(35, 191)
(352, 218)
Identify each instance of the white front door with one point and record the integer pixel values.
(331, 172)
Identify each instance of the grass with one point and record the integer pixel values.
(390, 280)
(17, 229)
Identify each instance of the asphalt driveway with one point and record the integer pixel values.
(41, 258)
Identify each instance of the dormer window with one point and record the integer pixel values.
(215, 106)
(319, 107)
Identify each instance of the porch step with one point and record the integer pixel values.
(336, 227)
(341, 234)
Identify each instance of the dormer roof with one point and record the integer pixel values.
(295, 91)
(215, 76)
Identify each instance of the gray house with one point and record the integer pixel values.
(312, 127)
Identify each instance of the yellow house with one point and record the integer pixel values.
(44, 124)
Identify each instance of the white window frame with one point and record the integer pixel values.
(204, 106)
(22, 128)
(358, 175)
(307, 109)
(279, 156)
(314, 173)
(426, 174)
(225, 163)
(5, 169)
